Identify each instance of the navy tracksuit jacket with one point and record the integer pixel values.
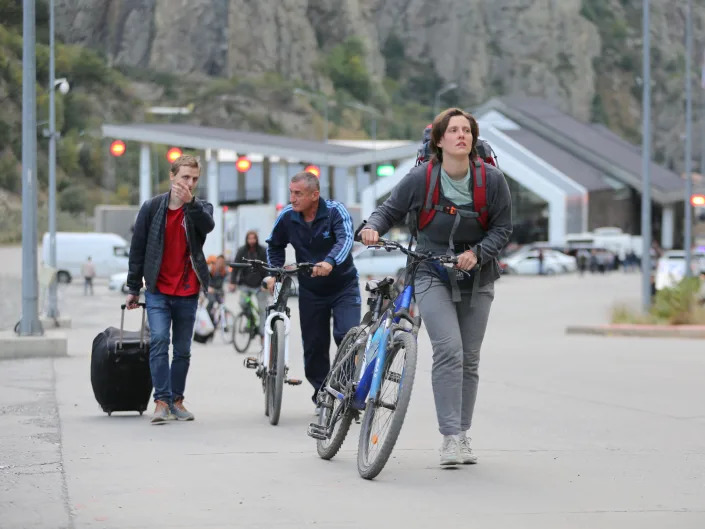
(329, 238)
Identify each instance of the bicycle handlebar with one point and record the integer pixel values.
(279, 271)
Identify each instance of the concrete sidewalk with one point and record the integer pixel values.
(571, 431)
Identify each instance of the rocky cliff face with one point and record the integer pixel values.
(584, 55)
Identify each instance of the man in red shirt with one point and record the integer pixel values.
(167, 251)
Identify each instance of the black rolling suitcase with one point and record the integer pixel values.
(120, 368)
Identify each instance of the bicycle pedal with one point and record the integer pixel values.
(293, 381)
(317, 431)
(251, 362)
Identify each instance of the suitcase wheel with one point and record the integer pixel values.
(110, 413)
(141, 412)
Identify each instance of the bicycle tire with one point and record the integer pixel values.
(328, 448)
(367, 467)
(276, 371)
(227, 326)
(242, 336)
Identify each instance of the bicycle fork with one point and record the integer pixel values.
(268, 331)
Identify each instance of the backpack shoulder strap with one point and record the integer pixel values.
(480, 192)
(432, 196)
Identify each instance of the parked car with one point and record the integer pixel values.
(378, 262)
(119, 282)
(108, 252)
(671, 267)
(527, 262)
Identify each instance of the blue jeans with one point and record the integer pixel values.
(166, 313)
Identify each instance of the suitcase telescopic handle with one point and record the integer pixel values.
(122, 323)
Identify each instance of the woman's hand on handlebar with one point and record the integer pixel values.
(369, 236)
(466, 260)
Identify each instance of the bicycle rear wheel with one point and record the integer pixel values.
(227, 326)
(242, 335)
(276, 372)
(340, 378)
(384, 417)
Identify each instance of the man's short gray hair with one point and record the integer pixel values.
(310, 179)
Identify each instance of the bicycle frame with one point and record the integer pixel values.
(376, 349)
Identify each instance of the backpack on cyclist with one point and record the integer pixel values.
(485, 154)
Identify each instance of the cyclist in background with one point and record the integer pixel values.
(250, 280)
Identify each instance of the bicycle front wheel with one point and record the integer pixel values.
(384, 416)
(276, 372)
(341, 377)
(242, 335)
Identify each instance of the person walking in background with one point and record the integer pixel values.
(167, 251)
(88, 273)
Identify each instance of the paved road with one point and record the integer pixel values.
(571, 432)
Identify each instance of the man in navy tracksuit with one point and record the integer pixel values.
(321, 232)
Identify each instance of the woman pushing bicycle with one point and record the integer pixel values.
(459, 205)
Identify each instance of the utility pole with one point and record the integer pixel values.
(646, 161)
(29, 324)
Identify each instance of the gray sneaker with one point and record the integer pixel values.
(180, 413)
(161, 413)
(466, 455)
(450, 451)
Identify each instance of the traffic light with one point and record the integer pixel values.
(697, 201)
(172, 154)
(314, 170)
(243, 164)
(117, 148)
(385, 170)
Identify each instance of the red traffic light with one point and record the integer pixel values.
(117, 148)
(172, 154)
(243, 164)
(697, 201)
(313, 169)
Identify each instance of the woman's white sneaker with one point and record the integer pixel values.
(450, 451)
(466, 455)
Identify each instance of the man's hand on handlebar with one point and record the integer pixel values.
(322, 269)
(270, 283)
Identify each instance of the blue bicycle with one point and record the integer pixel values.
(374, 370)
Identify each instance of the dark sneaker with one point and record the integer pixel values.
(180, 413)
(161, 412)
(466, 455)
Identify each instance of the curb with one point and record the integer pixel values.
(646, 331)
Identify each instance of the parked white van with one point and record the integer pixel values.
(108, 251)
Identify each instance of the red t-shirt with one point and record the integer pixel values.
(176, 275)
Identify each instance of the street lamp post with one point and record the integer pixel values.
(439, 93)
(687, 235)
(646, 161)
(373, 113)
(63, 86)
(323, 97)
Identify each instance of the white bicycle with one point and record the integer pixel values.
(272, 365)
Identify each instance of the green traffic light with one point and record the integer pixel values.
(385, 170)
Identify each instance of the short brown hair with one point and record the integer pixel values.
(185, 160)
(440, 125)
(311, 180)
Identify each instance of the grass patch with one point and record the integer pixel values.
(679, 305)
